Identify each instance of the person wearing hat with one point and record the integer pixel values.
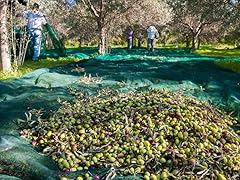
(35, 22)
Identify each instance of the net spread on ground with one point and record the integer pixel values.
(122, 71)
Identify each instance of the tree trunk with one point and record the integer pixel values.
(187, 41)
(194, 41)
(139, 42)
(5, 61)
(80, 42)
(199, 43)
(195, 36)
(102, 49)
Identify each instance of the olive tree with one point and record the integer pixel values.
(79, 25)
(196, 15)
(232, 33)
(143, 14)
(105, 19)
(105, 12)
(88, 18)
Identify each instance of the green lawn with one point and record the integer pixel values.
(230, 65)
(30, 66)
(219, 50)
(223, 51)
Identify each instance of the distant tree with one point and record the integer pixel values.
(79, 25)
(104, 12)
(143, 14)
(231, 34)
(105, 19)
(196, 15)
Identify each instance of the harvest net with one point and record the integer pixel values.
(124, 74)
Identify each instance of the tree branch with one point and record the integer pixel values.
(89, 5)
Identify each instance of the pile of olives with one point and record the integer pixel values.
(156, 135)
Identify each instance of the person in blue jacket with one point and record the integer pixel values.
(35, 22)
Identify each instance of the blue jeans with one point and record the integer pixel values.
(36, 38)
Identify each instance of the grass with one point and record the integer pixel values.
(30, 66)
(170, 46)
(209, 50)
(223, 51)
(230, 65)
(219, 50)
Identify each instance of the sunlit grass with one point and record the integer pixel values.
(171, 45)
(226, 51)
(230, 65)
(208, 50)
(30, 66)
(219, 50)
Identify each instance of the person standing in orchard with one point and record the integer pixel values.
(152, 34)
(130, 37)
(35, 22)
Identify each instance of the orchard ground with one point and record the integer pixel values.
(206, 75)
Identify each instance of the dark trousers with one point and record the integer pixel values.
(150, 44)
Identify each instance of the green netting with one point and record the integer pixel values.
(51, 45)
(55, 39)
(122, 70)
(6, 177)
